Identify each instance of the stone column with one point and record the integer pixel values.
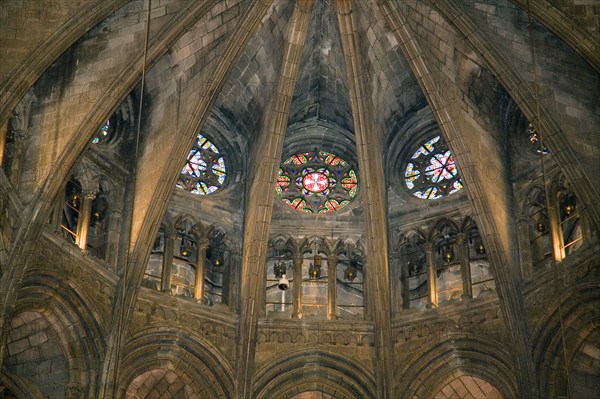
(332, 261)
(57, 213)
(396, 284)
(18, 125)
(83, 222)
(465, 265)
(368, 312)
(113, 235)
(558, 249)
(165, 283)
(3, 139)
(526, 258)
(404, 282)
(87, 176)
(200, 269)
(297, 287)
(17, 155)
(431, 275)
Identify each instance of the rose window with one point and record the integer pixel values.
(204, 171)
(431, 172)
(316, 182)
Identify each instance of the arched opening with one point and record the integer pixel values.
(160, 384)
(465, 386)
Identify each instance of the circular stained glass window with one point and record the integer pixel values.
(204, 171)
(431, 172)
(316, 182)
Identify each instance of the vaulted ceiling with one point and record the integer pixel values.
(363, 79)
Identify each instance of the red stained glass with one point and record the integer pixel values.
(432, 173)
(315, 182)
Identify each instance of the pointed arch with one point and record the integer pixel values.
(474, 355)
(332, 372)
(166, 347)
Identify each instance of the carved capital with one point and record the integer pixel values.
(115, 210)
(73, 391)
(89, 195)
(19, 135)
(203, 244)
(88, 176)
(461, 238)
(429, 247)
(171, 236)
(332, 258)
(113, 194)
(523, 221)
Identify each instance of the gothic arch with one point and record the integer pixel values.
(201, 230)
(185, 222)
(75, 321)
(18, 386)
(162, 346)
(435, 232)
(461, 384)
(283, 241)
(167, 382)
(480, 357)
(297, 371)
(581, 315)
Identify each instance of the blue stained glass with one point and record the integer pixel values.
(433, 173)
(205, 167)
(534, 139)
(102, 133)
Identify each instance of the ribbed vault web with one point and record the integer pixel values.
(282, 77)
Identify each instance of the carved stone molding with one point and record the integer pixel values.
(326, 335)
(219, 333)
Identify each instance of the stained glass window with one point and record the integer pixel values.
(316, 182)
(534, 139)
(204, 171)
(103, 134)
(431, 172)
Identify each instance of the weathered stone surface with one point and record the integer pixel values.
(170, 294)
